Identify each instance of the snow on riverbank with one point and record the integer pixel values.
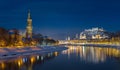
(14, 52)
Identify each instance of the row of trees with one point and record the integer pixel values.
(43, 39)
(9, 37)
(13, 38)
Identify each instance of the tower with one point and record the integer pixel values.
(29, 26)
(76, 37)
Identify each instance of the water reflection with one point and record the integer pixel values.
(82, 53)
(92, 54)
(25, 62)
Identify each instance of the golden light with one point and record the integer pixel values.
(19, 63)
(2, 65)
(56, 53)
(32, 59)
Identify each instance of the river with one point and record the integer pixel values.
(74, 58)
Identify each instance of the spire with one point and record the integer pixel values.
(29, 17)
(29, 26)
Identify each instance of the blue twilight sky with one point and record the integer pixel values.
(59, 18)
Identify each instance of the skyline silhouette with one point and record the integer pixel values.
(60, 18)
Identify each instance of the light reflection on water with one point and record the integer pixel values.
(25, 62)
(86, 54)
(92, 54)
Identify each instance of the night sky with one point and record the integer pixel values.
(59, 18)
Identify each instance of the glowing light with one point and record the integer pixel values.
(37, 57)
(42, 57)
(23, 60)
(2, 65)
(56, 53)
(32, 59)
(19, 64)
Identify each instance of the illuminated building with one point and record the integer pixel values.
(83, 36)
(94, 33)
(68, 38)
(29, 26)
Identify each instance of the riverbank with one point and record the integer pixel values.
(99, 45)
(14, 52)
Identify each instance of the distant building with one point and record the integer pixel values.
(76, 36)
(29, 26)
(68, 38)
(83, 36)
(94, 33)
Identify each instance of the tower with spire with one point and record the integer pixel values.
(29, 26)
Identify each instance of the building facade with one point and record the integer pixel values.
(94, 33)
(29, 26)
